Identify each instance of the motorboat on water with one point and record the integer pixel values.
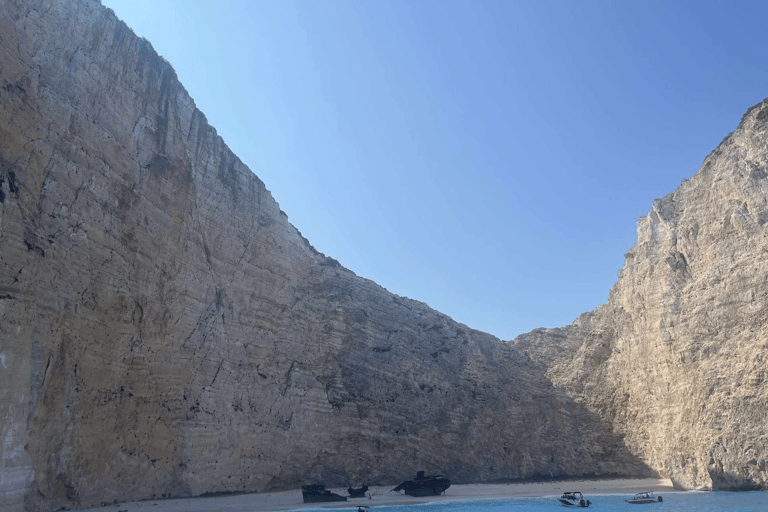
(574, 499)
(642, 498)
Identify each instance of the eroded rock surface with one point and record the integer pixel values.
(677, 360)
(166, 332)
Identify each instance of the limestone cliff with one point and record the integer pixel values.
(166, 332)
(677, 359)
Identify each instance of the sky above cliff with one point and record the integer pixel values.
(488, 158)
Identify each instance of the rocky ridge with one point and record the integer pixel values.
(166, 332)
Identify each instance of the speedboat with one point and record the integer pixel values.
(574, 499)
(642, 498)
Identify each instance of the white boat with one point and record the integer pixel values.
(574, 499)
(642, 498)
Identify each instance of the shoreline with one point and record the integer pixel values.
(292, 500)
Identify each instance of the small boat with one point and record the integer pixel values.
(574, 499)
(642, 498)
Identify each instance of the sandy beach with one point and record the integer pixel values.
(292, 500)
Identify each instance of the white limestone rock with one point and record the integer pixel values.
(166, 332)
(676, 360)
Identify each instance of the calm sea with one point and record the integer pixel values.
(676, 502)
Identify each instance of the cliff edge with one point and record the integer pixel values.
(676, 360)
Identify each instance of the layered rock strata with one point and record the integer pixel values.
(677, 360)
(166, 332)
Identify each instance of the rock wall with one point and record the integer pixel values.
(166, 332)
(677, 360)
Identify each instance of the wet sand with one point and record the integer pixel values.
(292, 500)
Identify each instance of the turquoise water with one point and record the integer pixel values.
(676, 502)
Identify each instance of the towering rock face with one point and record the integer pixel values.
(165, 331)
(677, 360)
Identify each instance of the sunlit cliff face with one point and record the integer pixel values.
(675, 359)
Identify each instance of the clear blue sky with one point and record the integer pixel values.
(488, 158)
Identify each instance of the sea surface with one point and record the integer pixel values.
(675, 502)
